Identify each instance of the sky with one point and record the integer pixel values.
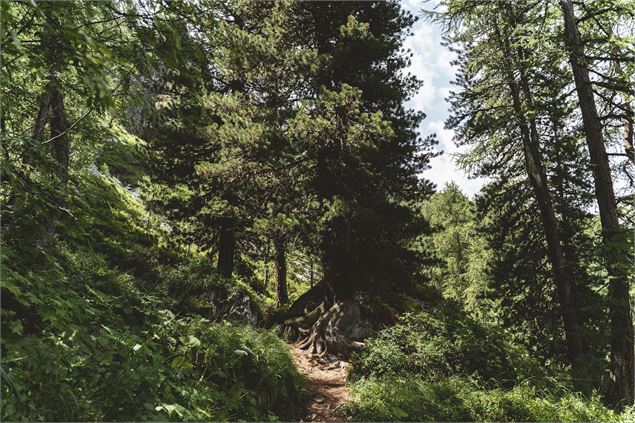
(431, 63)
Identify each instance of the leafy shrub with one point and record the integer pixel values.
(194, 288)
(179, 368)
(88, 332)
(446, 366)
(445, 343)
(458, 399)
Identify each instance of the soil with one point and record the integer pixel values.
(326, 376)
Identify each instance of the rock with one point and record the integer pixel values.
(240, 309)
(234, 306)
(361, 330)
(329, 358)
(319, 399)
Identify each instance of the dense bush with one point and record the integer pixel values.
(443, 343)
(444, 365)
(89, 331)
(179, 368)
(459, 399)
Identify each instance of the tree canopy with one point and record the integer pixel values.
(187, 185)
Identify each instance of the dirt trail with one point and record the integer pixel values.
(327, 383)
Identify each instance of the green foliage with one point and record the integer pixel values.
(460, 399)
(444, 365)
(461, 251)
(514, 82)
(443, 343)
(89, 334)
(141, 141)
(192, 287)
(175, 368)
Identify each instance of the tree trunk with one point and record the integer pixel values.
(226, 250)
(565, 284)
(282, 296)
(628, 132)
(622, 391)
(311, 273)
(60, 146)
(59, 138)
(335, 253)
(266, 268)
(52, 108)
(538, 180)
(42, 115)
(326, 328)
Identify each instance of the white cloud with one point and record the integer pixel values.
(431, 62)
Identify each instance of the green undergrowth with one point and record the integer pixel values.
(411, 398)
(443, 343)
(99, 324)
(443, 365)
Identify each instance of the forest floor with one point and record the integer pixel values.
(327, 385)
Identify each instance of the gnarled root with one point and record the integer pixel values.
(297, 326)
(329, 333)
(300, 308)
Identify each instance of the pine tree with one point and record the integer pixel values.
(615, 251)
(459, 248)
(365, 157)
(501, 88)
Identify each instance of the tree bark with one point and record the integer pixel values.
(60, 147)
(52, 108)
(628, 132)
(538, 180)
(42, 115)
(226, 249)
(622, 390)
(266, 268)
(336, 257)
(60, 144)
(311, 273)
(282, 295)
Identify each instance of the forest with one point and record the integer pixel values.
(219, 210)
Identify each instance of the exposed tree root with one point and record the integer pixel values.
(297, 326)
(307, 301)
(320, 325)
(326, 330)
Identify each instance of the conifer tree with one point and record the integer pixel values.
(615, 247)
(365, 157)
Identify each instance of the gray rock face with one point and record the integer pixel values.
(241, 310)
(361, 330)
(235, 306)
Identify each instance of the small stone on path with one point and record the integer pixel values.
(327, 382)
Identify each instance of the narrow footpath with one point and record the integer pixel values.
(327, 384)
